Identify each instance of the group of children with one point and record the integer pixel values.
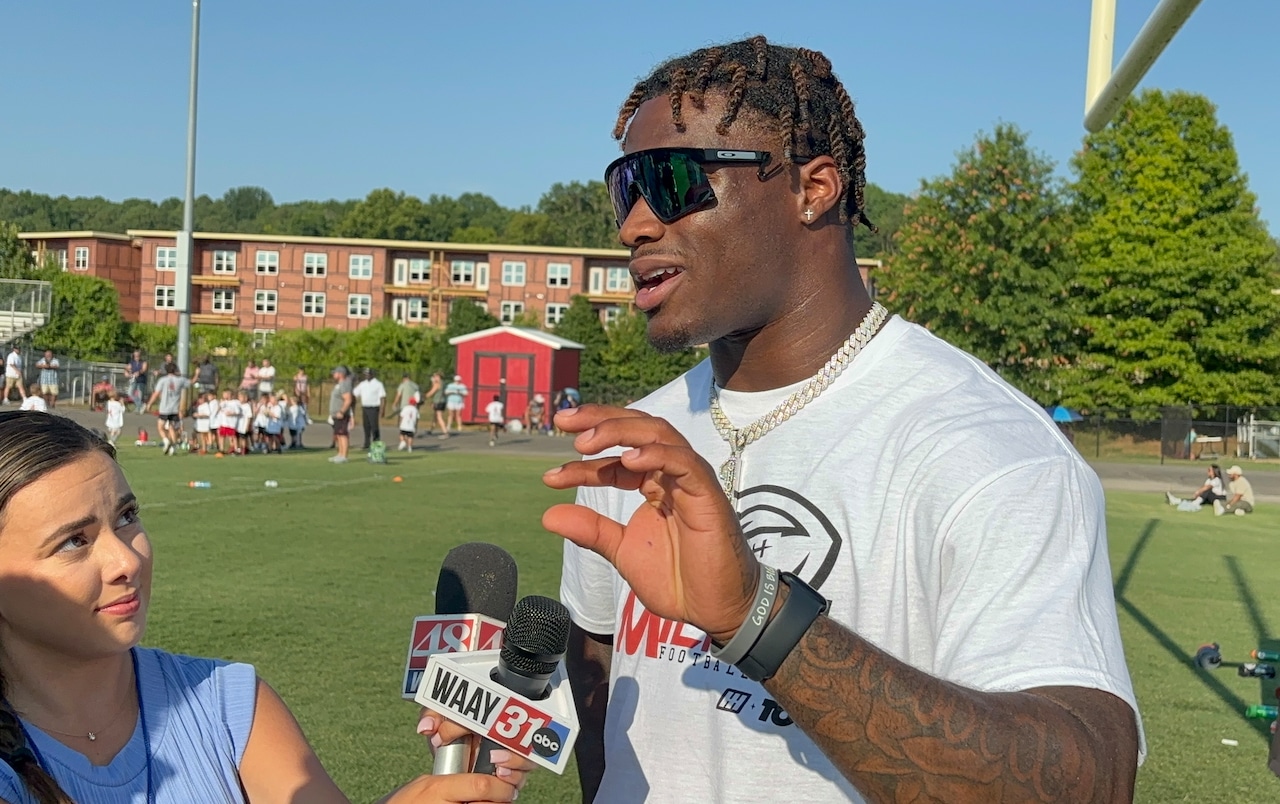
(233, 425)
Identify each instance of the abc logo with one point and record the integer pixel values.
(546, 743)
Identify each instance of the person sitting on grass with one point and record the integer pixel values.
(1211, 490)
(86, 714)
(1239, 494)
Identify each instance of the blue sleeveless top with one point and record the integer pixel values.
(199, 712)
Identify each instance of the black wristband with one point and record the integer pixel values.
(781, 635)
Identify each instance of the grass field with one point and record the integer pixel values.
(315, 582)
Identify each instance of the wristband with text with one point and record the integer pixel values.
(741, 643)
(803, 605)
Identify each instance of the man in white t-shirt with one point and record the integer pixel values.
(266, 378)
(497, 420)
(13, 374)
(371, 394)
(840, 560)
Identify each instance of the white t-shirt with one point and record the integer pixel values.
(13, 365)
(115, 414)
(229, 413)
(205, 413)
(370, 393)
(494, 409)
(34, 402)
(266, 375)
(409, 419)
(275, 414)
(941, 511)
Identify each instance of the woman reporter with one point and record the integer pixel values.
(88, 716)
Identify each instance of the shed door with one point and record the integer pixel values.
(507, 376)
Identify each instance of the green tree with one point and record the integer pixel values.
(247, 208)
(15, 254)
(465, 317)
(473, 234)
(581, 323)
(985, 261)
(528, 229)
(579, 215)
(85, 319)
(387, 214)
(1176, 268)
(632, 367)
(885, 209)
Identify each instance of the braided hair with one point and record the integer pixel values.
(33, 444)
(794, 87)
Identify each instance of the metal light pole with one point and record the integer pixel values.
(186, 240)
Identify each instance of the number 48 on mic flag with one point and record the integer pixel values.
(446, 633)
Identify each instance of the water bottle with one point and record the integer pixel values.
(1259, 711)
(200, 484)
(1266, 655)
(271, 484)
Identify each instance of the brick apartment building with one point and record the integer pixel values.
(264, 283)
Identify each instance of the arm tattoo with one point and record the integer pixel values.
(900, 735)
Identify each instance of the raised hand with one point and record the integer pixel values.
(683, 552)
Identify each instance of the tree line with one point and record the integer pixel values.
(1145, 279)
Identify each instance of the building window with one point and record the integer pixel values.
(359, 305)
(555, 313)
(268, 262)
(61, 255)
(611, 314)
(261, 337)
(166, 296)
(462, 272)
(224, 262)
(224, 301)
(419, 270)
(166, 258)
(513, 274)
(618, 280)
(264, 302)
(558, 274)
(82, 258)
(315, 265)
(510, 310)
(313, 305)
(360, 266)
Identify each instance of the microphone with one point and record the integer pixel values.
(533, 646)
(475, 594)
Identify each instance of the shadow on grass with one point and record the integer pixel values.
(1184, 659)
(1261, 630)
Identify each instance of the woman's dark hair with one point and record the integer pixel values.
(32, 445)
(1217, 470)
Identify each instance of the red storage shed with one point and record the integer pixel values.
(514, 363)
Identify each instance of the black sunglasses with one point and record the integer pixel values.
(671, 180)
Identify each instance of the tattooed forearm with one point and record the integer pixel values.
(901, 735)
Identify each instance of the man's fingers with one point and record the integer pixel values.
(595, 472)
(584, 417)
(585, 528)
(627, 431)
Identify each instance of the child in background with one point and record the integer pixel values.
(275, 424)
(496, 418)
(296, 416)
(228, 418)
(243, 424)
(115, 416)
(408, 424)
(203, 418)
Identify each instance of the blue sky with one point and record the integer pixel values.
(325, 99)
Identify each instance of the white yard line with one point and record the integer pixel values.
(288, 489)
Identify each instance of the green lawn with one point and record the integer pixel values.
(316, 583)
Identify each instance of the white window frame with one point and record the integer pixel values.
(265, 302)
(315, 263)
(315, 303)
(559, 274)
(595, 281)
(423, 314)
(356, 301)
(261, 337)
(224, 301)
(419, 270)
(509, 310)
(462, 272)
(166, 258)
(360, 266)
(82, 258)
(62, 258)
(513, 273)
(166, 297)
(267, 262)
(617, 279)
(555, 313)
(611, 314)
(224, 262)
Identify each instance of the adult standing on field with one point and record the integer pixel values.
(435, 395)
(372, 395)
(340, 412)
(13, 374)
(455, 399)
(136, 372)
(266, 378)
(840, 559)
(207, 376)
(407, 393)
(48, 365)
(168, 392)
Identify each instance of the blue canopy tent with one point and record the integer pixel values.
(1064, 415)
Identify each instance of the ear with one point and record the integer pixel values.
(821, 189)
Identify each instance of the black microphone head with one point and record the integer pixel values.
(477, 578)
(537, 636)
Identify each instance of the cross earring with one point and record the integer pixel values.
(808, 215)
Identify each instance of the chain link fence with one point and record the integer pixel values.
(1184, 432)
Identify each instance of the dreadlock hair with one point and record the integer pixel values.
(792, 87)
(33, 444)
